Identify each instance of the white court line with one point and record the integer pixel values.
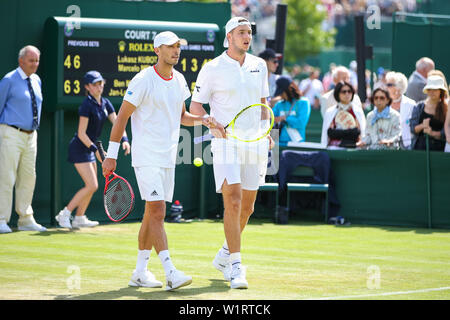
(383, 294)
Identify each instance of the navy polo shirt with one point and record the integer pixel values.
(97, 115)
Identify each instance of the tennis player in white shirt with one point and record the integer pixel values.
(155, 102)
(229, 83)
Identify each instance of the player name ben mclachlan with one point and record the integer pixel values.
(225, 309)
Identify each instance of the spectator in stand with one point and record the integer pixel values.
(344, 124)
(383, 123)
(272, 60)
(312, 88)
(327, 100)
(327, 81)
(292, 112)
(353, 74)
(381, 81)
(428, 116)
(418, 79)
(396, 84)
(447, 131)
(295, 73)
(440, 74)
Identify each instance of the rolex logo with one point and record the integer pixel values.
(122, 46)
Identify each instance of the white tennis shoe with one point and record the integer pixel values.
(83, 222)
(29, 224)
(238, 280)
(223, 265)
(4, 228)
(63, 219)
(177, 279)
(144, 279)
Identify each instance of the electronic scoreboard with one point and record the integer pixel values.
(118, 49)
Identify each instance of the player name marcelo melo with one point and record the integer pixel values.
(225, 309)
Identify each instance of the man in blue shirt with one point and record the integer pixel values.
(20, 111)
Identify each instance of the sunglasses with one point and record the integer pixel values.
(379, 98)
(390, 85)
(345, 91)
(275, 61)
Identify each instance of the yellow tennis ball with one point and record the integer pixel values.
(198, 162)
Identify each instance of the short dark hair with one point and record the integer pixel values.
(385, 92)
(339, 87)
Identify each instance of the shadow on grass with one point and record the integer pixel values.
(51, 232)
(150, 293)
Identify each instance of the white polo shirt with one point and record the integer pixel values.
(155, 124)
(229, 87)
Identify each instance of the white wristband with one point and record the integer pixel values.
(113, 150)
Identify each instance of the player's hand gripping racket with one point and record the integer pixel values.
(118, 196)
(251, 124)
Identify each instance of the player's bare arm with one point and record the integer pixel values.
(126, 109)
(125, 145)
(271, 141)
(196, 108)
(188, 119)
(82, 127)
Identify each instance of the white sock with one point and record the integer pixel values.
(66, 211)
(167, 264)
(142, 260)
(235, 259)
(224, 252)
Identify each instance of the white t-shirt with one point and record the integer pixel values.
(155, 124)
(229, 87)
(273, 84)
(406, 107)
(315, 89)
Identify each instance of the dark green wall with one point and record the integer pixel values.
(385, 188)
(431, 36)
(434, 6)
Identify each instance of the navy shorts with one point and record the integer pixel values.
(78, 152)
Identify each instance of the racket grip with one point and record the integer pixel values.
(201, 139)
(101, 151)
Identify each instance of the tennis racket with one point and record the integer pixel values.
(251, 124)
(118, 196)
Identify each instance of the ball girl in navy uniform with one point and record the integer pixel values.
(82, 149)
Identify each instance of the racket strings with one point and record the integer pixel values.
(252, 123)
(119, 200)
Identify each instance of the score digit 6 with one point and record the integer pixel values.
(68, 87)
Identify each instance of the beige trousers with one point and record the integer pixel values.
(17, 170)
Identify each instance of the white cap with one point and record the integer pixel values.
(233, 23)
(167, 38)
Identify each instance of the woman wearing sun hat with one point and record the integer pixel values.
(428, 116)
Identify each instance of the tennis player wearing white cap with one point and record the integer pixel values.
(229, 83)
(155, 102)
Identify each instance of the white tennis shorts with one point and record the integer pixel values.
(239, 163)
(155, 183)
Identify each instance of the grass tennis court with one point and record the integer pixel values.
(302, 260)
